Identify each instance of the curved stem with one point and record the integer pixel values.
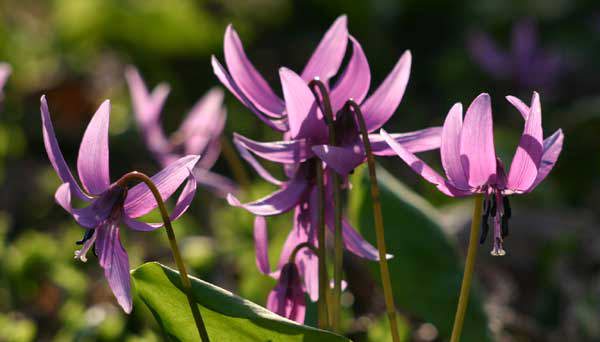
(321, 253)
(465, 287)
(378, 216)
(138, 176)
(297, 249)
(237, 168)
(322, 97)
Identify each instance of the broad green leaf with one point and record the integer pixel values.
(227, 316)
(426, 270)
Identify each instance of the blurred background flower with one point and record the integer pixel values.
(76, 52)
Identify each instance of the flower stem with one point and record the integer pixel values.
(237, 168)
(321, 253)
(187, 286)
(469, 266)
(378, 216)
(322, 96)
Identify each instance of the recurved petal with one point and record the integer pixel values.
(357, 244)
(450, 148)
(520, 105)
(285, 152)
(380, 106)
(140, 201)
(342, 159)
(220, 185)
(304, 118)
(526, 162)
(84, 217)
(247, 78)
(287, 298)
(54, 153)
(247, 156)
(328, 55)
(552, 148)
(261, 245)
(477, 150)
(146, 106)
(423, 169)
(417, 141)
(355, 80)
(277, 123)
(92, 162)
(276, 203)
(115, 262)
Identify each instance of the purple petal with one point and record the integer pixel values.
(329, 54)
(247, 156)
(423, 169)
(115, 262)
(247, 78)
(285, 152)
(485, 53)
(520, 105)
(418, 141)
(287, 298)
(304, 119)
(552, 148)
(182, 205)
(524, 167)
(225, 78)
(204, 123)
(276, 203)
(220, 185)
(380, 106)
(147, 108)
(261, 245)
(357, 244)
(84, 217)
(450, 148)
(477, 143)
(92, 162)
(354, 82)
(342, 159)
(140, 200)
(55, 155)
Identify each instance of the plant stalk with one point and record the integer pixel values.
(465, 287)
(237, 168)
(319, 90)
(323, 311)
(379, 228)
(187, 285)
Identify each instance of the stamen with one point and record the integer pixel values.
(507, 210)
(493, 208)
(88, 234)
(89, 243)
(485, 228)
(505, 226)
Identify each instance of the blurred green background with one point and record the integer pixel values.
(546, 289)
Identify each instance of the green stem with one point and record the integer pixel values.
(469, 266)
(321, 253)
(187, 286)
(378, 216)
(321, 95)
(237, 168)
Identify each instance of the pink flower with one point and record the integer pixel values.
(472, 167)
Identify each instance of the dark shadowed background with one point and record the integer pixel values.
(547, 287)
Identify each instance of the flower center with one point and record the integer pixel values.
(496, 208)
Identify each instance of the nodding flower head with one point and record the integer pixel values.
(472, 166)
(111, 204)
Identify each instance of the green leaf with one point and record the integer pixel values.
(426, 270)
(227, 316)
